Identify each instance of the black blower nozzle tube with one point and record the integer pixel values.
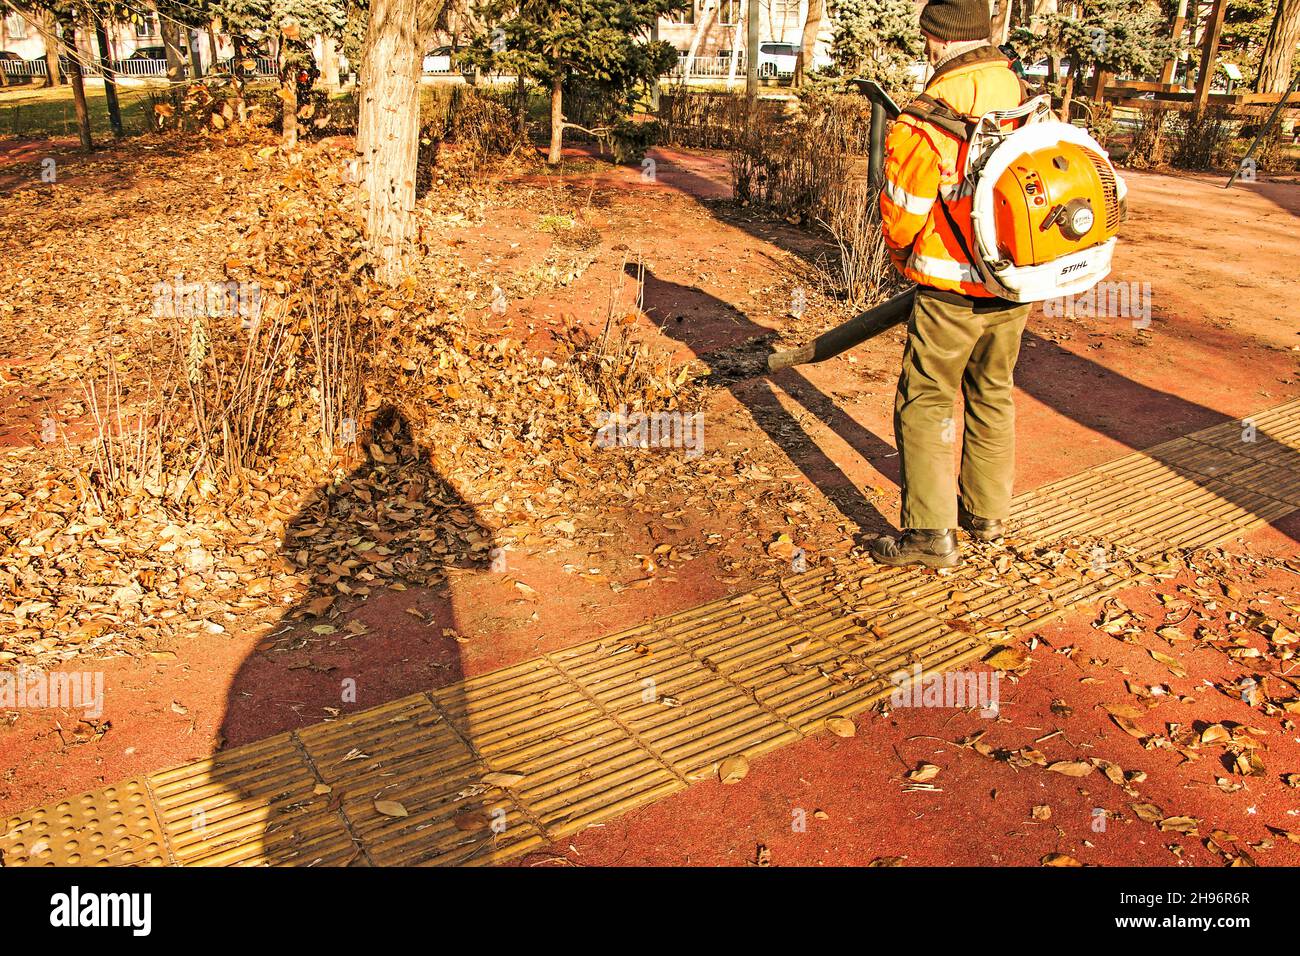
(855, 331)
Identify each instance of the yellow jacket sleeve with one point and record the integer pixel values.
(911, 186)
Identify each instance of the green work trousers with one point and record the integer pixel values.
(954, 342)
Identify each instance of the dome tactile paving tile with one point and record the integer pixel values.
(490, 768)
(115, 826)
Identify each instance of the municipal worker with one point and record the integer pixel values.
(959, 336)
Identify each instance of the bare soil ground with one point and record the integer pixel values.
(808, 455)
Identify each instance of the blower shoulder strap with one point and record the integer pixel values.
(930, 109)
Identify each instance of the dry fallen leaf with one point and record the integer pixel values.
(390, 808)
(733, 769)
(1007, 659)
(1071, 768)
(841, 726)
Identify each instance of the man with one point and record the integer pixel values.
(960, 336)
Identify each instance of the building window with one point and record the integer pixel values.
(149, 28)
(683, 16)
(16, 27)
(729, 12)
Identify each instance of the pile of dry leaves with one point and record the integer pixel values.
(186, 471)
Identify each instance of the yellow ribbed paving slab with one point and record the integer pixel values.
(489, 768)
(411, 790)
(685, 713)
(250, 806)
(574, 763)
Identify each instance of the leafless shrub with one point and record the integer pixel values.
(339, 337)
(1204, 139)
(129, 450)
(865, 272)
(233, 378)
(620, 368)
(1150, 146)
(793, 166)
(703, 120)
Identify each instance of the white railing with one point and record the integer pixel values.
(137, 67)
(709, 66)
(140, 67)
(24, 67)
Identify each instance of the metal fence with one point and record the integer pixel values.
(710, 66)
(133, 67)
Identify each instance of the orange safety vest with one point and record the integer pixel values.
(922, 163)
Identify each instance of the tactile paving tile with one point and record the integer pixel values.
(254, 805)
(412, 791)
(786, 667)
(688, 715)
(576, 764)
(588, 733)
(115, 826)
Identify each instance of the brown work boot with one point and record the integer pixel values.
(981, 529)
(933, 549)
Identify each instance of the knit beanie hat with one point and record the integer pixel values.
(955, 20)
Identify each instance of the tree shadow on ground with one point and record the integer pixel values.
(1096, 397)
(304, 778)
(664, 302)
(1142, 417)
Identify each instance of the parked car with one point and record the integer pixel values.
(1039, 70)
(149, 53)
(777, 59)
(439, 61)
(14, 76)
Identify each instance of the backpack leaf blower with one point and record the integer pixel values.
(1045, 205)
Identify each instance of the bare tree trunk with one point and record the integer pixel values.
(4, 39)
(557, 118)
(707, 13)
(170, 33)
(48, 28)
(1000, 21)
(654, 84)
(1275, 62)
(734, 65)
(329, 63)
(1067, 93)
(237, 81)
(812, 26)
(196, 58)
(78, 88)
(751, 56)
(289, 122)
(388, 132)
(110, 81)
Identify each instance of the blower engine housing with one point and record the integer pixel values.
(1047, 206)
(1055, 201)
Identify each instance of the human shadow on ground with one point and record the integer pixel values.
(301, 781)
